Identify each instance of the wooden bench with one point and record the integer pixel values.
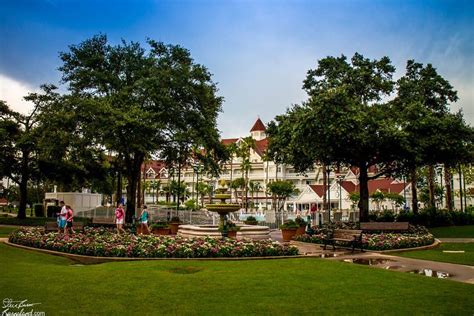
(350, 236)
(103, 221)
(53, 226)
(384, 226)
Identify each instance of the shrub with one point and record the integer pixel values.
(52, 210)
(39, 210)
(159, 225)
(300, 221)
(251, 220)
(175, 219)
(290, 225)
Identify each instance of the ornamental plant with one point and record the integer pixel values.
(158, 225)
(104, 243)
(289, 225)
(251, 220)
(300, 221)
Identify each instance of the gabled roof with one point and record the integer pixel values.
(318, 189)
(258, 126)
(349, 186)
(261, 146)
(156, 165)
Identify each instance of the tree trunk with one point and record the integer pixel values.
(460, 189)
(133, 173)
(139, 189)
(118, 197)
(431, 186)
(23, 185)
(179, 188)
(447, 181)
(414, 193)
(364, 193)
(324, 187)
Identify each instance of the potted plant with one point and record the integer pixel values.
(288, 229)
(232, 229)
(302, 226)
(160, 228)
(174, 225)
(251, 220)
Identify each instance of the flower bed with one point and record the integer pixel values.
(104, 243)
(415, 237)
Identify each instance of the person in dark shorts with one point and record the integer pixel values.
(69, 220)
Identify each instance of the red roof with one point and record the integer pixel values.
(156, 165)
(261, 146)
(258, 126)
(383, 185)
(228, 141)
(349, 186)
(318, 189)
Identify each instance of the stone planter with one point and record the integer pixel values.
(287, 234)
(161, 231)
(232, 234)
(301, 230)
(174, 228)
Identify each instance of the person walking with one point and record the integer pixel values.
(119, 218)
(69, 220)
(144, 220)
(62, 217)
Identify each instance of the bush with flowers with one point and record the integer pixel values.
(416, 236)
(103, 242)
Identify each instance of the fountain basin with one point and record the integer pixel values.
(246, 231)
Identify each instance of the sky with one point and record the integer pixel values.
(258, 51)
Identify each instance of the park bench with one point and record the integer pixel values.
(384, 226)
(351, 236)
(53, 226)
(103, 221)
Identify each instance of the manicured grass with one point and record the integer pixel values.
(453, 231)
(437, 254)
(277, 287)
(5, 231)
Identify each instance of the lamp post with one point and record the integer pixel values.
(440, 170)
(339, 180)
(404, 193)
(329, 194)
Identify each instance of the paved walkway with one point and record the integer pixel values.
(457, 240)
(442, 270)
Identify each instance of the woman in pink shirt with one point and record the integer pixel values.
(119, 218)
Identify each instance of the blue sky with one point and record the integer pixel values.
(258, 51)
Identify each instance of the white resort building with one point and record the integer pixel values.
(343, 182)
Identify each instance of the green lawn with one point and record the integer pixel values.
(5, 231)
(277, 287)
(453, 231)
(437, 254)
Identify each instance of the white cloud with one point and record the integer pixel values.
(13, 91)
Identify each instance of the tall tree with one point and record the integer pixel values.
(245, 147)
(343, 122)
(18, 149)
(433, 134)
(135, 100)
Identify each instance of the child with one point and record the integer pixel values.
(144, 220)
(69, 219)
(119, 218)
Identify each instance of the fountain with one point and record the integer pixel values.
(223, 209)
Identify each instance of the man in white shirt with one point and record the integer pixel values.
(62, 216)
